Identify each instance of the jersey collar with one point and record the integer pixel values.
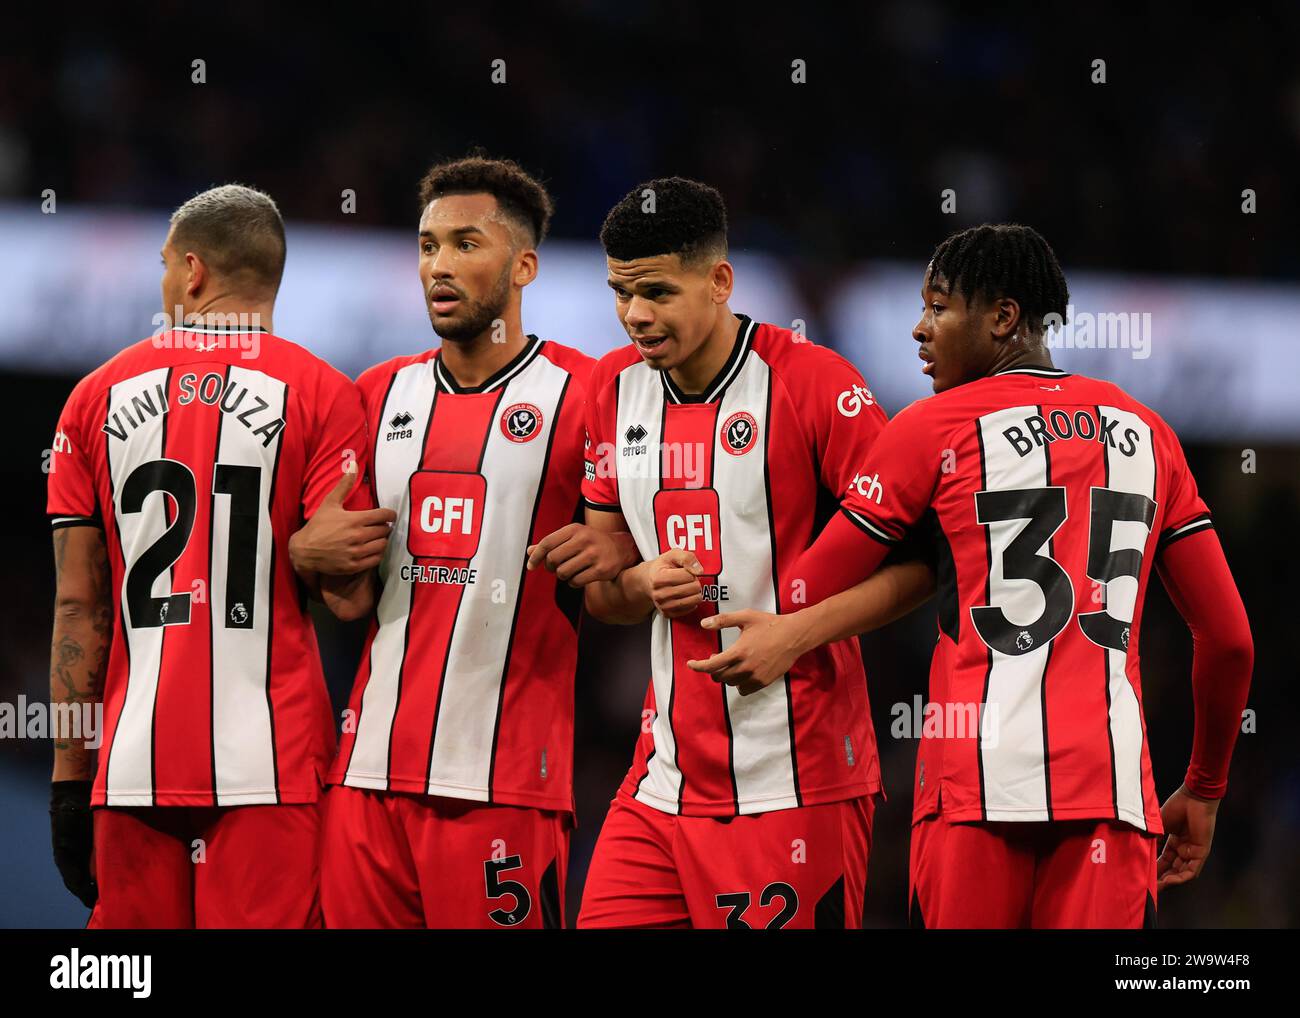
(1035, 371)
(724, 378)
(446, 383)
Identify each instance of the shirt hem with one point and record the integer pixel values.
(261, 797)
(379, 783)
(1036, 815)
(748, 807)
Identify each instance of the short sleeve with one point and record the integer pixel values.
(894, 484)
(843, 414)
(339, 437)
(600, 452)
(1185, 511)
(71, 499)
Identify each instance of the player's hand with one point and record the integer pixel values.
(73, 836)
(337, 541)
(1189, 824)
(579, 554)
(766, 649)
(672, 583)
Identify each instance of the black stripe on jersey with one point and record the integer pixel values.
(776, 590)
(945, 568)
(370, 641)
(60, 522)
(988, 599)
(460, 600)
(1040, 372)
(1047, 660)
(410, 614)
(219, 330)
(499, 377)
(872, 530)
(374, 445)
(672, 653)
(1105, 651)
(519, 592)
(212, 634)
(648, 757)
(270, 593)
(125, 630)
(602, 507)
(1193, 526)
(726, 374)
(162, 637)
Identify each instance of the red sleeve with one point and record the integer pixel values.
(600, 476)
(71, 497)
(895, 482)
(1185, 512)
(1200, 584)
(339, 437)
(887, 494)
(843, 415)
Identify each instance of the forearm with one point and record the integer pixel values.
(624, 600)
(348, 597)
(1199, 583)
(83, 634)
(882, 598)
(841, 556)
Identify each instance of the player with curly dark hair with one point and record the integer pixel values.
(1053, 495)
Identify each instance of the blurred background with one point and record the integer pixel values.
(1168, 190)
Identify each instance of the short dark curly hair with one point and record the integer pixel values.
(520, 196)
(1004, 260)
(685, 218)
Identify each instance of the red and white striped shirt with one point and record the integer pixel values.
(734, 476)
(1053, 495)
(465, 687)
(199, 452)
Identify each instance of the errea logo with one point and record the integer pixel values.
(853, 400)
(398, 426)
(635, 437)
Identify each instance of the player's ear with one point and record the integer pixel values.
(721, 279)
(197, 273)
(1006, 317)
(525, 266)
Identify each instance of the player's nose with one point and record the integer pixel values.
(638, 313)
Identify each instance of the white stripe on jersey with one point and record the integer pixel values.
(641, 406)
(242, 732)
(1011, 718)
(1136, 473)
(461, 762)
(129, 779)
(411, 391)
(763, 766)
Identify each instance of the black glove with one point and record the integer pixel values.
(72, 831)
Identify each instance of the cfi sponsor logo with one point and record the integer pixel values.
(738, 433)
(521, 422)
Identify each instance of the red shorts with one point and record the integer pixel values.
(796, 868)
(221, 867)
(1063, 874)
(395, 860)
